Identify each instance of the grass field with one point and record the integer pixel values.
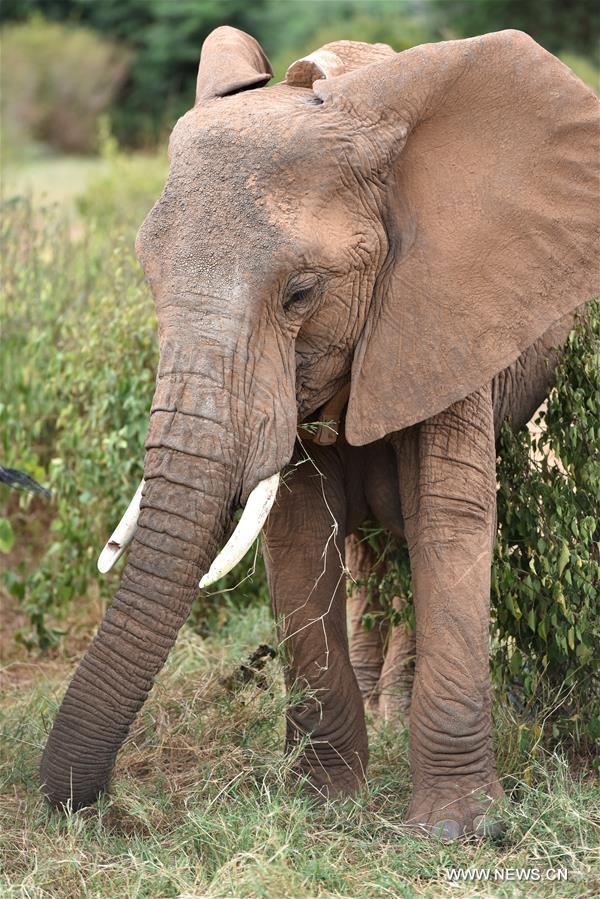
(201, 805)
(53, 180)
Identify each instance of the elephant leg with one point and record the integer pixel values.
(366, 646)
(448, 485)
(303, 544)
(397, 675)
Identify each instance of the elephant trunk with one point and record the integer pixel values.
(191, 490)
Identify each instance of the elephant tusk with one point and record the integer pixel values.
(122, 534)
(248, 528)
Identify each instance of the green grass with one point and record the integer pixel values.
(49, 180)
(201, 804)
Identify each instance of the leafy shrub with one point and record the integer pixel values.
(79, 354)
(79, 350)
(122, 195)
(57, 79)
(546, 578)
(324, 23)
(554, 24)
(164, 38)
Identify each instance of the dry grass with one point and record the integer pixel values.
(201, 804)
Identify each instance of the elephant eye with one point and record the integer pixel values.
(299, 295)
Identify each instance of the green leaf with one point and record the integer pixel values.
(583, 653)
(7, 536)
(516, 662)
(563, 559)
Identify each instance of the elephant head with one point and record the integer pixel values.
(405, 223)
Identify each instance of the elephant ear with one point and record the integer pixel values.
(335, 59)
(231, 61)
(489, 149)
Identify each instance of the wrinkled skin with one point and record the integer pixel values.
(433, 485)
(355, 230)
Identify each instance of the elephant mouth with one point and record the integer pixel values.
(256, 511)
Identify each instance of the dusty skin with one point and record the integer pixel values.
(421, 227)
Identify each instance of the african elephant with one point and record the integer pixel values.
(413, 231)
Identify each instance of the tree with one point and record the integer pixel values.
(166, 38)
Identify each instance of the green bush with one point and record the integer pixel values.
(120, 197)
(381, 22)
(80, 353)
(79, 350)
(546, 577)
(57, 79)
(165, 36)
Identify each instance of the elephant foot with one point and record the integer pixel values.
(324, 781)
(325, 785)
(332, 762)
(455, 809)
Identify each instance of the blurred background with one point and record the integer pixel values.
(73, 68)
(90, 91)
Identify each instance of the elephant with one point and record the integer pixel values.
(359, 273)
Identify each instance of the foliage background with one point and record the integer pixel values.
(79, 347)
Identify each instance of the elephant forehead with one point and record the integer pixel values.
(262, 143)
(209, 214)
(250, 180)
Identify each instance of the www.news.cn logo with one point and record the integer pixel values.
(458, 875)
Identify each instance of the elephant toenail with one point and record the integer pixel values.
(483, 826)
(446, 830)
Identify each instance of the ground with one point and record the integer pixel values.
(201, 806)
